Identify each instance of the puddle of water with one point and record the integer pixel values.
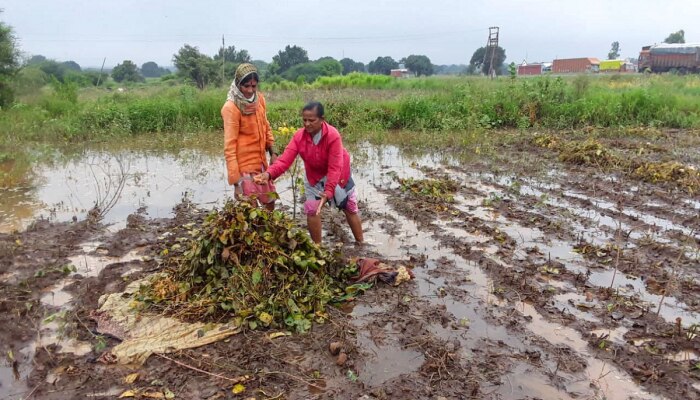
(92, 264)
(683, 356)
(525, 379)
(663, 224)
(362, 310)
(388, 361)
(576, 305)
(56, 295)
(50, 334)
(616, 335)
(11, 388)
(671, 308)
(156, 180)
(461, 233)
(693, 203)
(614, 383)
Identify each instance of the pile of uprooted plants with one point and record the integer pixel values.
(252, 266)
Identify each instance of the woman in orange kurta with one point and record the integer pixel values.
(247, 136)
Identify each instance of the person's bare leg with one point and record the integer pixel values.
(313, 223)
(355, 225)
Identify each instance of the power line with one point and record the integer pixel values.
(247, 37)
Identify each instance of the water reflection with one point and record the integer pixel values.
(126, 176)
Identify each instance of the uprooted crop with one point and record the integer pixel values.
(684, 176)
(594, 153)
(432, 190)
(253, 266)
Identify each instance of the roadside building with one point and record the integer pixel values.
(400, 73)
(530, 69)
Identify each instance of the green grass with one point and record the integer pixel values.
(364, 106)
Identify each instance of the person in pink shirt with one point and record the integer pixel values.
(327, 165)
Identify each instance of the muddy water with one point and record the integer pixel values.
(526, 237)
(610, 381)
(123, 181)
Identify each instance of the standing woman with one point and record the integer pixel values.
(327, 165)
(247, 136)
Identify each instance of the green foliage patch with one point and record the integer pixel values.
(253, 266)
(433, 190)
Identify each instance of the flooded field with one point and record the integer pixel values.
(534, 279)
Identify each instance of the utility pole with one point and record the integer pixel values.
(491, 47)
(99, 77)
(223, 61)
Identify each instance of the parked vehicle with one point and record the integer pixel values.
(681, 57)
(615, 66)
(575, 65)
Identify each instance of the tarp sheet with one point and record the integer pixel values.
(145, 334)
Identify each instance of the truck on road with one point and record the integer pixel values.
(681, 57)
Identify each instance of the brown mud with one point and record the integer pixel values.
(536, 278)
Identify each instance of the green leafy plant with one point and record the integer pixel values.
(253, 266)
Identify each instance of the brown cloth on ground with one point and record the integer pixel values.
(371, 269)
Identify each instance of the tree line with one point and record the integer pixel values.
(291, 63)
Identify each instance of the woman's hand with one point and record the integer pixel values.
(251, 108)
(238, 190)
(320, 204)
(261, 179)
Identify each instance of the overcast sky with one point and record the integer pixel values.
(447, 31)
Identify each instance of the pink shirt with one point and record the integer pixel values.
(327, 158)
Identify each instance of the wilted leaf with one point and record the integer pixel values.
(238, 388)
(275, 335)
(129, 393)
(153, 395)
(131, 378)
(168, 394)
(265, 318)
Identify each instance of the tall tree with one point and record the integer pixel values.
(382, 65)
(289, 57)
(614, 52)
(53, 68)
(9, 63)
(479, 64)
(421, 65)
(151, 70)
(329, 66)
(230, 54)
(350, 65)
(197, 67)
(309, 72)
(127, 71)
(72, 65)
(35, 59)
(676, 37)
(261, 66)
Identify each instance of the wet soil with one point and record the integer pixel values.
(534, 279)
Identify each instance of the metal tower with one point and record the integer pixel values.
(491, 47)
